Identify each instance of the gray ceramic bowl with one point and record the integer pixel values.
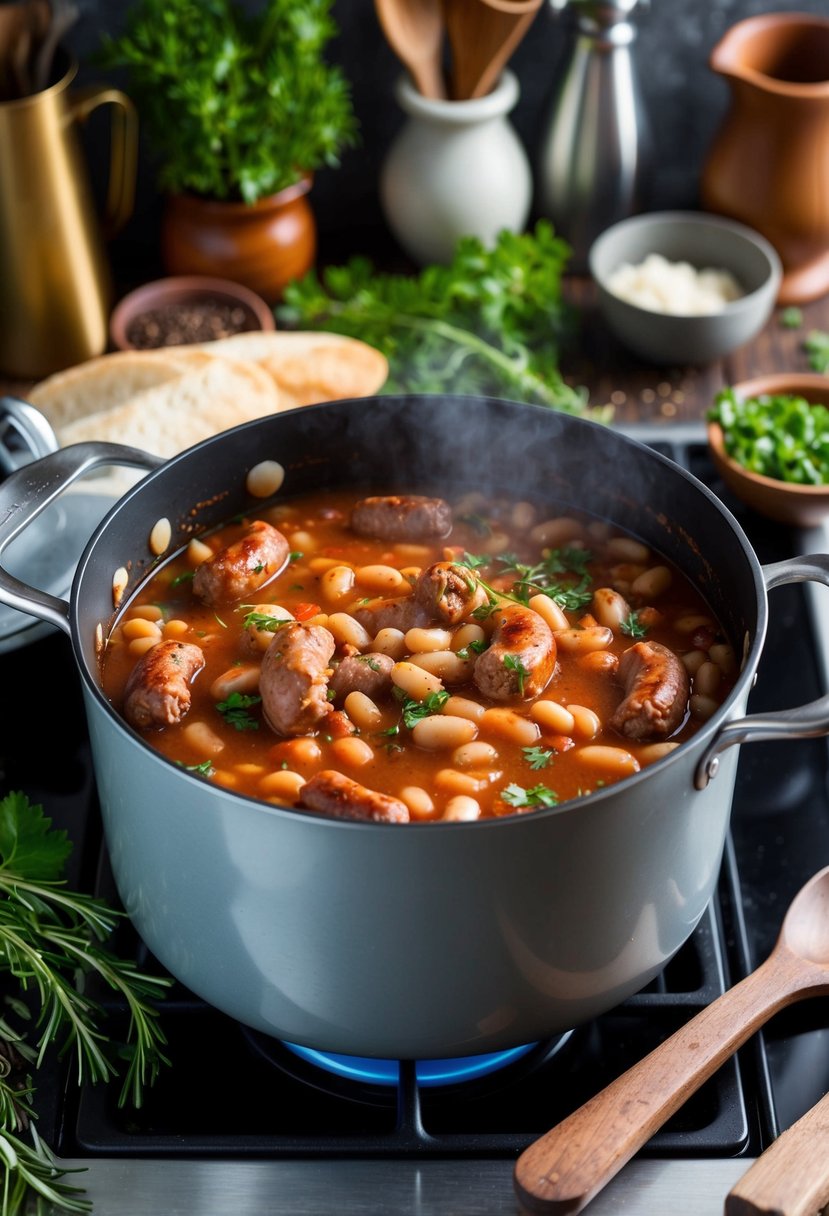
(705, 241)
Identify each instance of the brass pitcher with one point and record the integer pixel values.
(55, 290)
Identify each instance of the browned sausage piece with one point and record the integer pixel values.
(402, 517)
(521, 657)
(403, 613)
(334, 794)
(294, 679)
(449, 592)
(656, 692)
(158, 688)
(366, 673)
(238, 571)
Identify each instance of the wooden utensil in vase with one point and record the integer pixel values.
(414, 30)
(483, 34)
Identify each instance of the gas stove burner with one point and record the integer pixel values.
(429, 1073)
(366, 1079)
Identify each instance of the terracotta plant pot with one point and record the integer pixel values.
(263, 245)
(189, 292)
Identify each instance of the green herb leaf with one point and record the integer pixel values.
(29, 846)
(816, 346)
(537, 757)
(264, 621)
(234, 710)
(539, 795)
(413, 710)
(511, 663)
(632, 626)
(783, 436)
(474, 647)
(186, 576)
(791, 317)
(488, 324)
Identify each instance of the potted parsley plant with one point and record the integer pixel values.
(240, 108)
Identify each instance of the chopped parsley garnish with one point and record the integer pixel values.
(511, 663)
(205, 769)
(478, 523)
(539, 795)
(264, 621)
(632, 626)
(258, 568)
(235, 710)
(475, 647)
(186, 576)
(474, 560)
(370, 661)
(791, 318)
(537, 757)
(542, 578)
(484, 611)
(295, 555)
(414, 710)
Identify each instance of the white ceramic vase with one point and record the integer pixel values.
(456, 168)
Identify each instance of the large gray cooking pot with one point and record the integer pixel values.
(420, 940)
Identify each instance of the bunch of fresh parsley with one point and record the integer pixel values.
(491, 323)
(51, 943)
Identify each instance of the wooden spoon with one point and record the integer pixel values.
(483, 35)
(564, 1169)
(791, 1178)
(414, 30)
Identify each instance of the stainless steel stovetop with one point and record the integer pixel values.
(230, 1132)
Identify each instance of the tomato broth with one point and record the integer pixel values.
(435, 739)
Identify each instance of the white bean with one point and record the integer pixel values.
(474, 755)
(580, 641)
(422, 640)
(614, 761)
(391, 642)
(466, 635)
(362, 711)
(655, 751)
(549, 611)
(336, 583)
(652, 583)
(440, 731)
(552, 716)
(506, 724)
(203, 739)
(450, 781)
(414, 681)
(283, 785)
(265, 478)
(464, 707)
(352, 751)
(609, 607)
(418, 800)
(242, 679)
(626, 549)
(586, 722)
(385, 580)
(693, 660)
(347, 631)
(702, 708)
(450, 667)
(723, 655)
(555, 532)
(462, 809)
(707, 679)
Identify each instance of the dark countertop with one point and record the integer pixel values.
(641, 392)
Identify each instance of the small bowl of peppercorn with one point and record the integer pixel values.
(186, 310)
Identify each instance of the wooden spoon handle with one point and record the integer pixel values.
(791, 1178)
(564, 1169)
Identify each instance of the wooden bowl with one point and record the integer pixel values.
(184, 290)
(786, 502)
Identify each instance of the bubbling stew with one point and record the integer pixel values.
(399, 658)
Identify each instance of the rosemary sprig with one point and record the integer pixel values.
(51, 939)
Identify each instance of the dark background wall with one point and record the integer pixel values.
(683, 99)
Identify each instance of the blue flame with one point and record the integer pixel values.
(428, 1072)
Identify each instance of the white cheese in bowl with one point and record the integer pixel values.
(673, 287)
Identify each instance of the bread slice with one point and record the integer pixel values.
(309, 366)
(170, 416)
(108, 381)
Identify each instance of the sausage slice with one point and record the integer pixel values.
(402, 613)
(158, 689)
(334, 794)
(239, 570)
(656, 692)
(367, 673)
(449, 592)
(403, 517)
(520, 659)
(293, 683)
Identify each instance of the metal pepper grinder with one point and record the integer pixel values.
(594, 148)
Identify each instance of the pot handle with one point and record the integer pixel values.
(805, 721)
(29, 490)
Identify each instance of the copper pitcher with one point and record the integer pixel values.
(769, 163)
(55, 290)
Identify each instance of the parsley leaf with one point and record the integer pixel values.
(414, 710)
(476, 647)
(29, 846)
(511, 663)
(489, 323)
(816, 346)
(235, 710)
(539, 795)
(632, 626)
(537, 757)
(264, 621)
(186, 576)
(205, 769)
